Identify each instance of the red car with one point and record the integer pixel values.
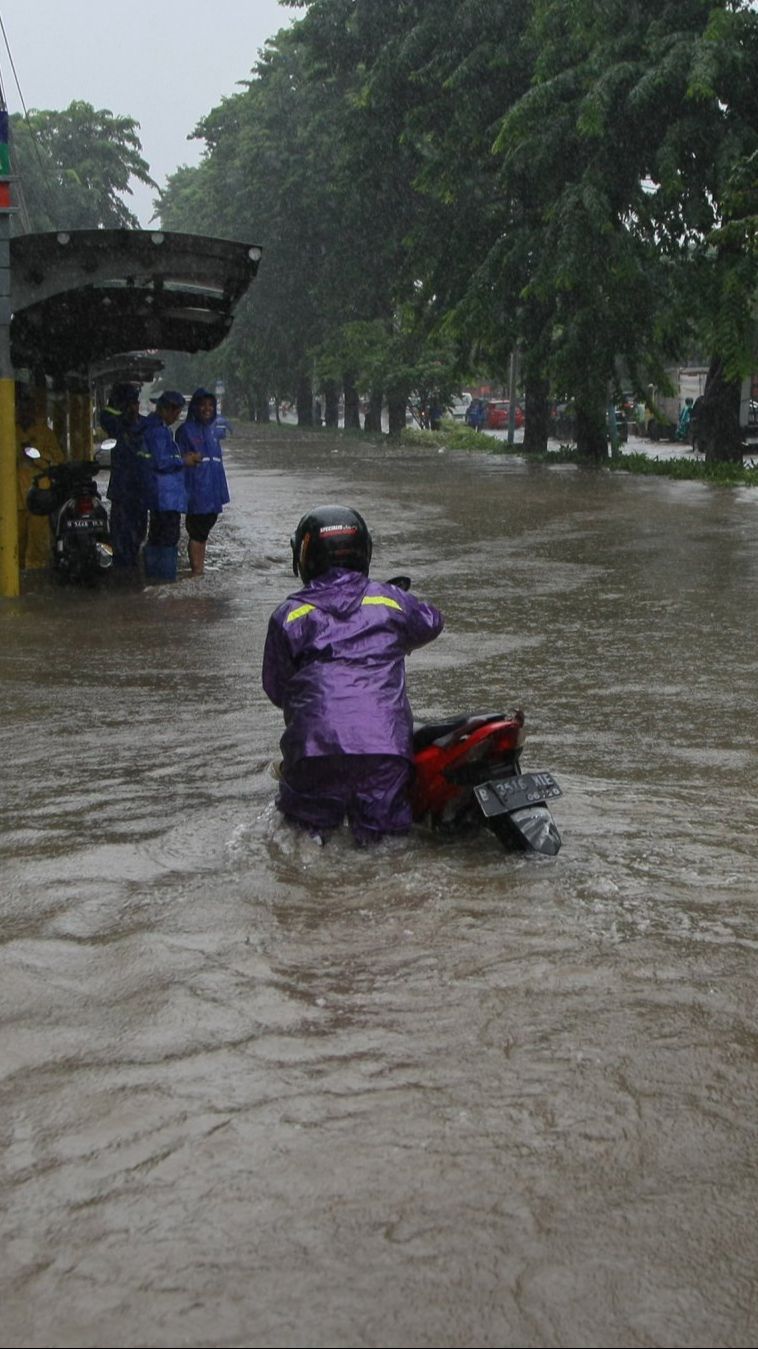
(497, 415)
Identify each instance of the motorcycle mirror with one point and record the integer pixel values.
(31, 452)
(103, 451)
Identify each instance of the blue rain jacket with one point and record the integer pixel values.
(207, 490)
(126, 483)
(334, 661)
(162, 466)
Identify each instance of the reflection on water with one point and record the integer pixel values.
(258, 1092)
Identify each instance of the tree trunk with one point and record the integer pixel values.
(715, 425)
(261, 405)
(591, 432)
(373, 419)
(397, 402)
(352, 403)
(304, 401)
(331, 403)
(536, 416)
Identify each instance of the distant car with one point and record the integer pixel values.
(497, 415)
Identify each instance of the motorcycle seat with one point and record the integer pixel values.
(426, 733)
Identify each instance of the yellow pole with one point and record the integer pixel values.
(87, 430)
(60, 416)
(9, 575)
(9, 578)
(10, 585)
(80, 423)
(74, 448)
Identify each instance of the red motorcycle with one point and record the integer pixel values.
(468, 771)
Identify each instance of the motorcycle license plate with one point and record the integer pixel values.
(86, 522)
(498, 798)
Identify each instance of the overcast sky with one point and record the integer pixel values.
(165, 63)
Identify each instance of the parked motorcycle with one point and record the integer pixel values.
(67, 493)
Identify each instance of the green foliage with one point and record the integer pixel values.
(683, 469)
(75, 166)
(690, 470)
(437, 184)
(450, 437)
(310, 162)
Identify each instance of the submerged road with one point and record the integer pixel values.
(254, 1093)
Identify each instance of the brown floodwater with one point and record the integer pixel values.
(257, 1093)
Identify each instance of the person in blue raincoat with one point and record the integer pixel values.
(685, 417)
(205, 479)
(121, 420)
(334, 661)
(163, 475)
(222, 426)
(476, 414)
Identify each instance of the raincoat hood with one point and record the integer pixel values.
(336, 592)
(207, 488)
(197, 398)
(161, 466)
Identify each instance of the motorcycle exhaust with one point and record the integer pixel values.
(516, 811)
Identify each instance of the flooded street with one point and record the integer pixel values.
(257, 1093)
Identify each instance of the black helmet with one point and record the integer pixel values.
(330, 536)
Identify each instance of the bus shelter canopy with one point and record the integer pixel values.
(79, 297)
(129, 367)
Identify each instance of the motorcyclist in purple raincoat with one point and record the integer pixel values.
(334, 661)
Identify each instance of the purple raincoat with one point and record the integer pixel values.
(334, 662)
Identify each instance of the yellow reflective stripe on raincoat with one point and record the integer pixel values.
(298, 613)
(381, 599)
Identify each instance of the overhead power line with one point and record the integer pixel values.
(42, 166)
(13, 67)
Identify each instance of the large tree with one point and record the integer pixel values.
(310, 161)
(451, 177)
(75, 167)
(637, 117)
(266, 176)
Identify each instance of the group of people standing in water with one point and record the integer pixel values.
(157, 477)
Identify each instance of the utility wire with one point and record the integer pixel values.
(42, 166)
(22, 206)
(13, 66)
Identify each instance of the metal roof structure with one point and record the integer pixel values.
(80, 297)
(129, 367)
